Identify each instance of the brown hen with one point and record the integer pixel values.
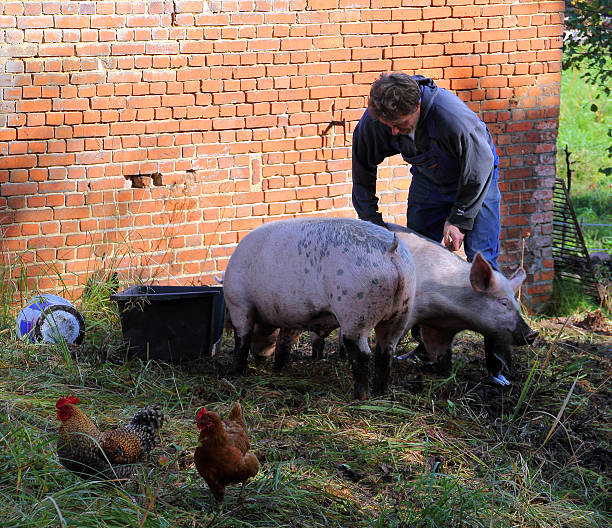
(85, 450)
(222, 456)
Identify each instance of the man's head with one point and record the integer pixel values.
(395, 100)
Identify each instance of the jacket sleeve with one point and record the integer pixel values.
(371, 145)
(477, 163)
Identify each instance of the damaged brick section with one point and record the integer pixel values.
(141, 181)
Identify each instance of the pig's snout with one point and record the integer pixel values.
(524, 335)
(530, 337)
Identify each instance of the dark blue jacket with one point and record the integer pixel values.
(452, 148)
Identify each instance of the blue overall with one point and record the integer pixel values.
(429, 204)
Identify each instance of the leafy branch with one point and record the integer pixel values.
(587, 45)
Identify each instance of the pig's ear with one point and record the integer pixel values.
(481, 274)
(517, 279)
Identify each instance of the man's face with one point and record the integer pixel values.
(405, 124)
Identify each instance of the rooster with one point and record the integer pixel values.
(85, 450)
(222, 456)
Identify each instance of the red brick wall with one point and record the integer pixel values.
(152, 135)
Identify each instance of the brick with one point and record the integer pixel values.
(56, 50)
(525, 8)
(289, 44)
(386, 27)
(458, 72)
(466, 36)
(494, 34)
(429, 50)
(449, 24)
(71, 22)
(47, 79)
(189, 6)
(31, 22)
(41, 132)
(15, 162)
(436, 12)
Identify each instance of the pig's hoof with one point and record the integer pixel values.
(442, 368)
(238, 370)
(421, 353)
(500, 380)
(379, 391)
(362, 395)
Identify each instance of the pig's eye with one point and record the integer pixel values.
(505, 302)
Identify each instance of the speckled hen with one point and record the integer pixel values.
(83, 449)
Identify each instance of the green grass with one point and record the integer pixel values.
(585, 133)
(433, 452)
(569, 298)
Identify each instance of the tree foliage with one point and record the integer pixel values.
(587, 46)
(588, 40)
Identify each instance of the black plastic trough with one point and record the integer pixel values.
(171, 323)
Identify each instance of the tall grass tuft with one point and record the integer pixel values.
(570, 298)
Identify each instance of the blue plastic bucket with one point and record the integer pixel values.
(50, 318)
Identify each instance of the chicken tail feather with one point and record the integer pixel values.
(151, 416)
(146, 423)
(236, 413)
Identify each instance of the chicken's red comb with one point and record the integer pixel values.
(64, 400)
(201, 413)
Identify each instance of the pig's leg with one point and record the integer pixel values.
(388, 335)
(318, 345)
(263, 341)
(439, 346)
(420, 351)
(358, 351)
(243, 333)
(499, 360)
(318, 341)
(341, 349)
(242, 345)
(382, 368)
(286, 339)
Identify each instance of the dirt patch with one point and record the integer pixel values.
(595, 322)
(599, 458)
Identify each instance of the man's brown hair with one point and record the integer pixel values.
(393, 95)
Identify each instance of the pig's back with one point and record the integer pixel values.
(293, 269)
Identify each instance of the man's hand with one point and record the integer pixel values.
(453, 237)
